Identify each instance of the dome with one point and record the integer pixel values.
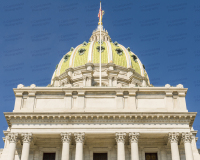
(112, 54)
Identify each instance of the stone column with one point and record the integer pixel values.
(26, 139)
(13, 138)
(187, 139)
(173, 139)
(79, 138)
(66, 139)
(120, 138)
(133, 137)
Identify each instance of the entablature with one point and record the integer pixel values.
(79, 117)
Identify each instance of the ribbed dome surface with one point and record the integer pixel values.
(111, 53)
(88, 52)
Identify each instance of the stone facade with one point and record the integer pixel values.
(75, 122)
(74, 118)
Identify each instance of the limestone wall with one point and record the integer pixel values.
(112, 99)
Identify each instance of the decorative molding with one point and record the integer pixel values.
(26, 137)
(173, 137)
(13, 137)
(133, 137)
(98, 118)
(120, 137)
(79, 137)
(66, 137)
(187, 137)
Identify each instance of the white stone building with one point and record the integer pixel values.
(75, 119)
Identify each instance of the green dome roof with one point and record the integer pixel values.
(110, 53)
(89, 52)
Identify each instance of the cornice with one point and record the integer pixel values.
(139, 89)
(139, 117)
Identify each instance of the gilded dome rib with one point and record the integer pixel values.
(59, 67)
(73, 55)
(90, 51)
(109, 48)
(135, 64)
(141, 67)
(128, 58)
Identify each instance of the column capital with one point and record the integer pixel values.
(26, 137)
(133, 137)
(120, 137)
(187, 137)
(79, 137)
(66, 137)
(173, 137)
(13, 137)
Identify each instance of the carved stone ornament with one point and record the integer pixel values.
(66, 137)
(173, 137)
(120, 137)
(26, 137)
(187, 137)
(133, 137)
(13, 137)
(79, 137)
(20, 86)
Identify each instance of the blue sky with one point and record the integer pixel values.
(36, 34)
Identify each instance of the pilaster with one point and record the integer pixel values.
(81, 100)
(30, 103)
(68, 99)
(119, 100)
(132, 100)
(18, 100)
(169, 100)
(181, 100)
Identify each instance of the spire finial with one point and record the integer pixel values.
(100, 15)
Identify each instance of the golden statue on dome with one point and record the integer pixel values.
(100, 15)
